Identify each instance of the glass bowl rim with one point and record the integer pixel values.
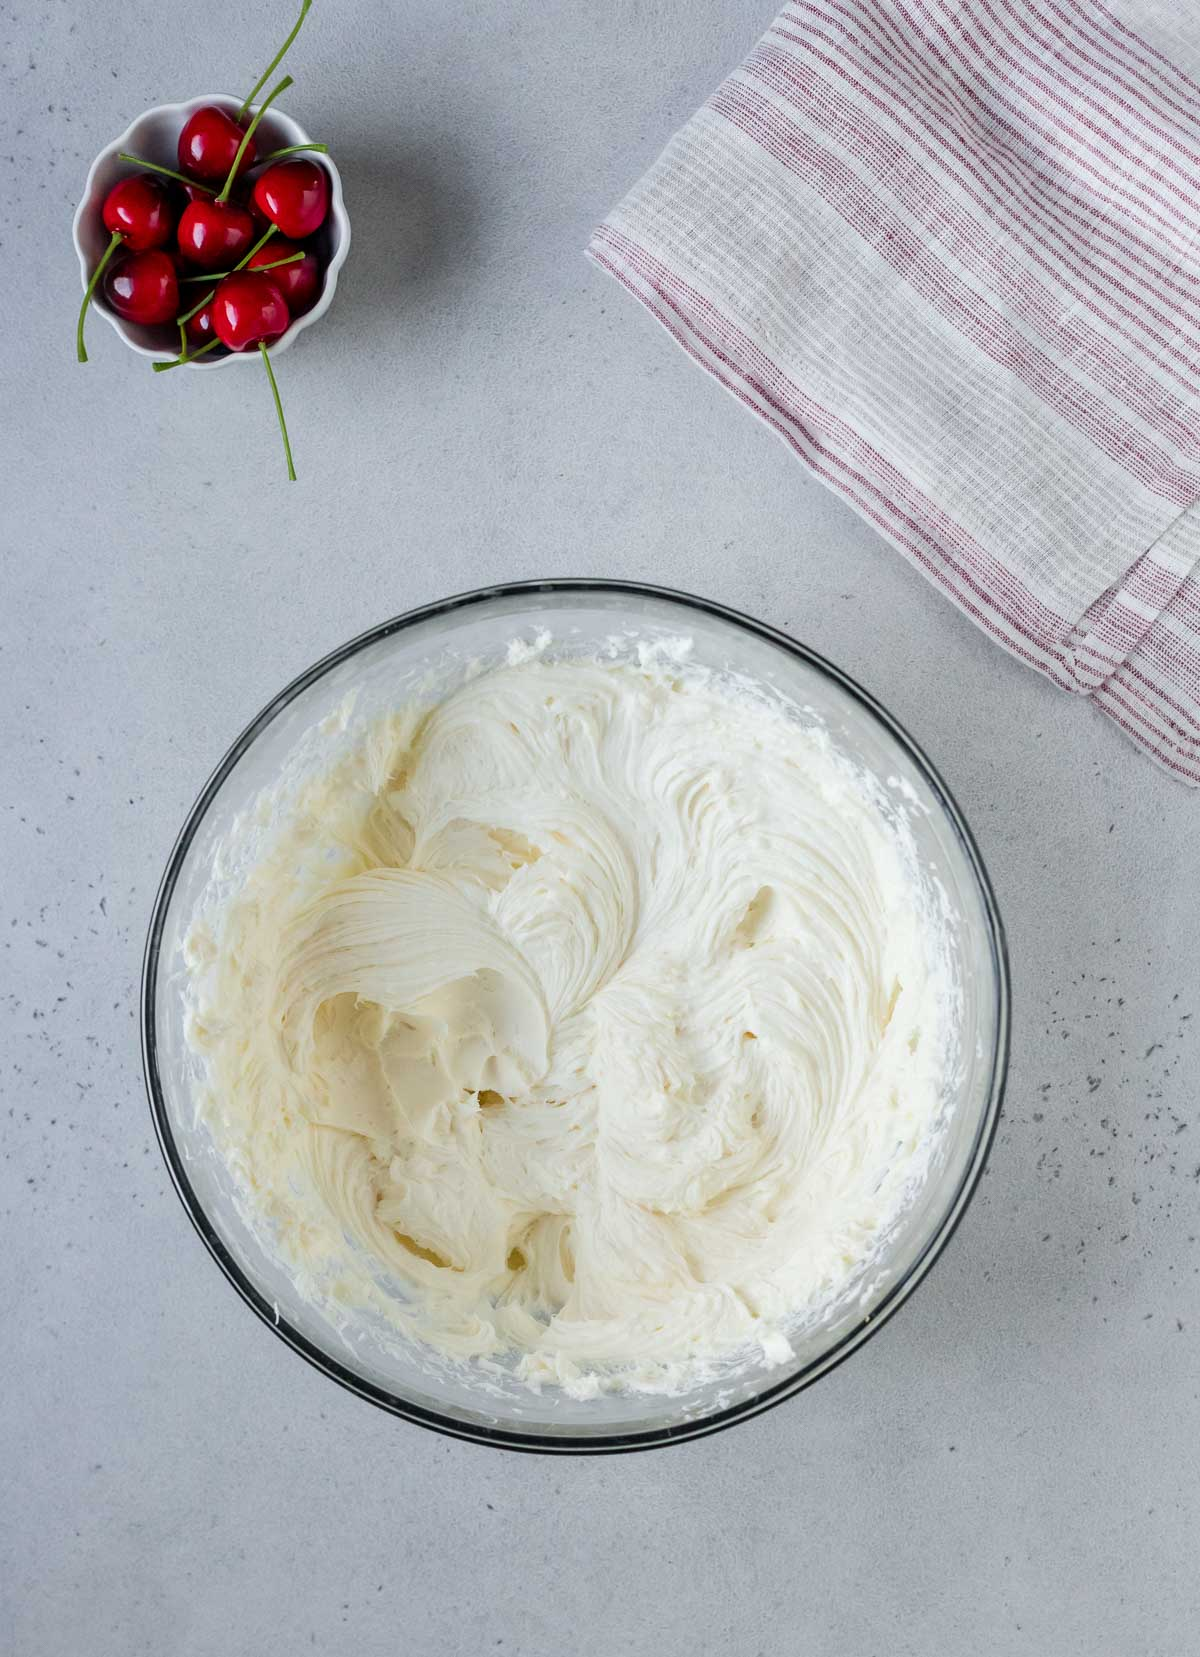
(568, 1443)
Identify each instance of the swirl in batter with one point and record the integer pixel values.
(597, 1006)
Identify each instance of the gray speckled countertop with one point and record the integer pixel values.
(1012, 1465)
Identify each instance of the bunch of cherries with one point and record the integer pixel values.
(227, 226)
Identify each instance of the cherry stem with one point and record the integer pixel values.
(249, 134)
(188, 315)
(287, 447)
(114, 244)
(262, 240)
(167, 172)
(179, 361)
(294, 149)
(274, 63)
(292, 258)
(218, 275)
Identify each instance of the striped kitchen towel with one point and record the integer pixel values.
(950, 251)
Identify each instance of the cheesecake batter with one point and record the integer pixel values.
(593, 1019)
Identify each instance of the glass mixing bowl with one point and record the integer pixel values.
(437, 642)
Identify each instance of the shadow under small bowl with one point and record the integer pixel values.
(154, 136)
(378, 670)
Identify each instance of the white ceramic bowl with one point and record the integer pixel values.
(155, 136)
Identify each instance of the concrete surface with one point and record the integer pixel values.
(1012, 1465)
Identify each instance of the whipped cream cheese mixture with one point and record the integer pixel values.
(593, 1019)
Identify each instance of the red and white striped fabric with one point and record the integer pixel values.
(950, 251)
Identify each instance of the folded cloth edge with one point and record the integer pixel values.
(1134, 648)
(1162, 725)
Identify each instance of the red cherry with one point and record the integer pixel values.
(144, 287)
(214, 234)
(208, 143)
(294, 195)
(199, 328)
(140, 208)
(261, 221)
(300, 283)
(249, 309)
